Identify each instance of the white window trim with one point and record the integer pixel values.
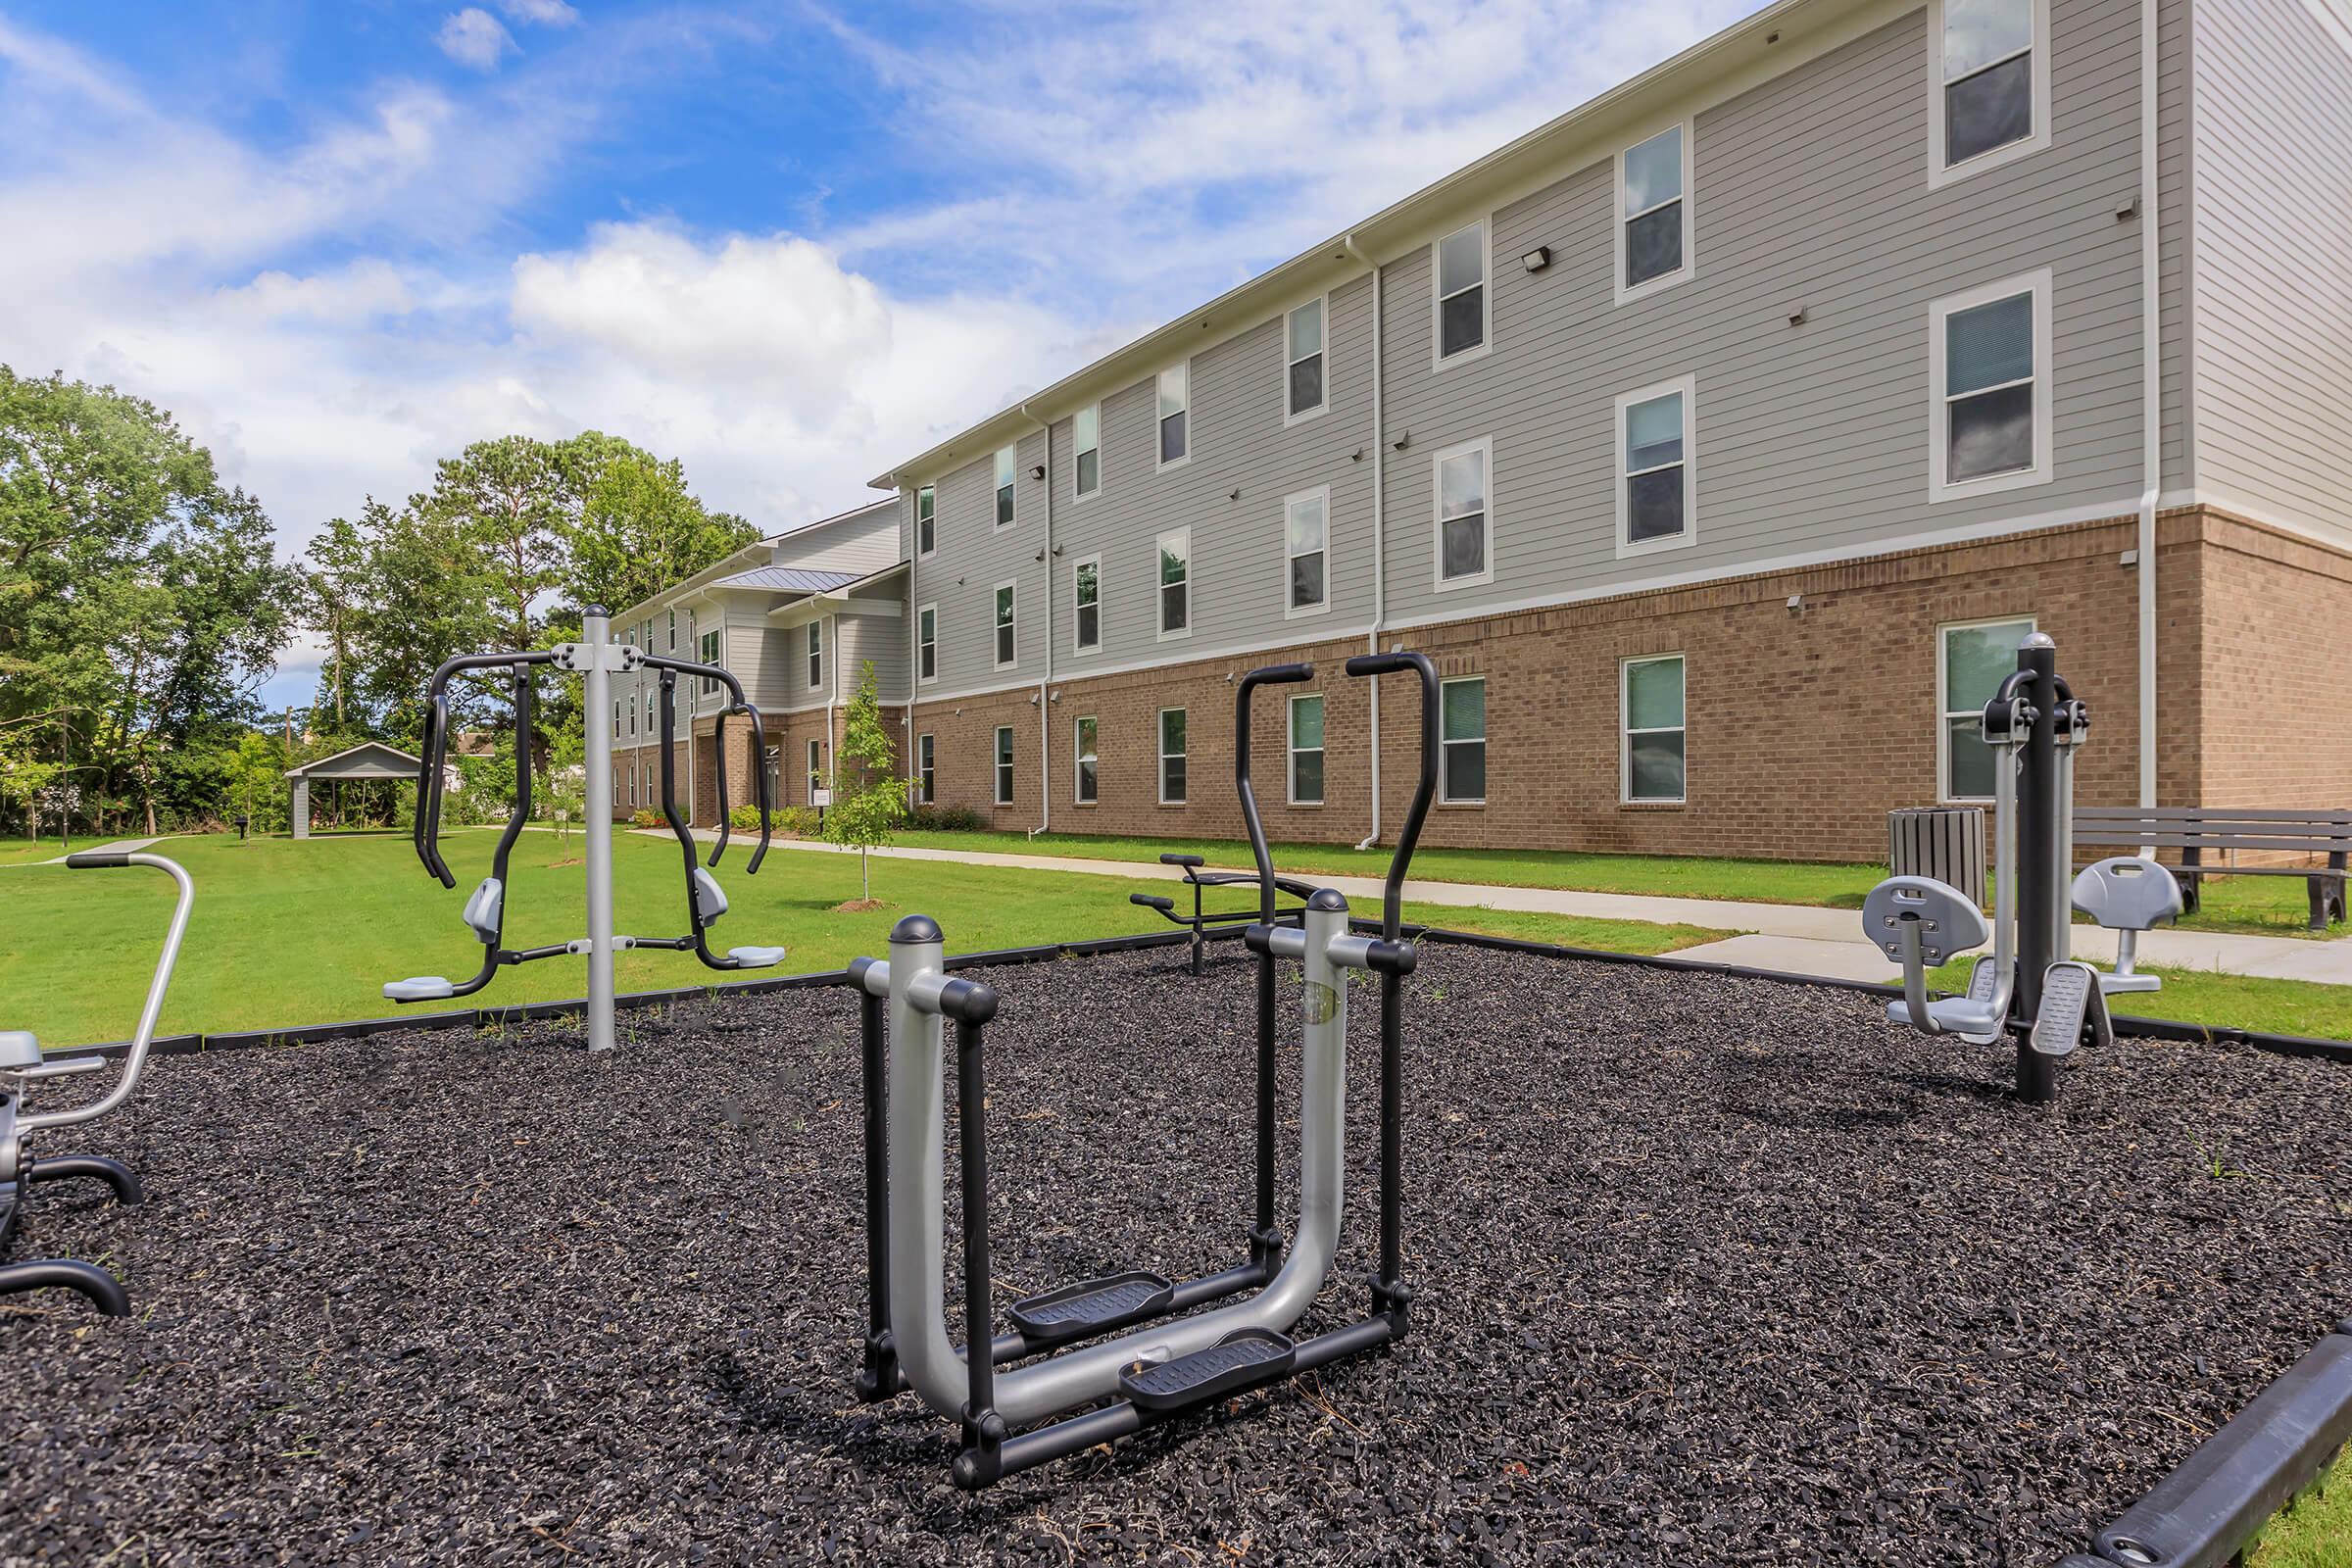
(812, 650)
(1939, 173)
(1159, 742)
(926, 760)
(1079, 649)
(997, 789)
(931, 610)
(1440, 363)
(1191, 431)
(1626, 731)
(1437, 516)
(673, 631)
(1014, 587)
(1688, 386)
(813, 768)
(1322, 493)
(1014, 522)
(1290, 748)
(1444, 798)
(1943, 749)
(1078, 760)
(2045, 381)
(920, 553)
(1690, 267)
(1283, 321)
(1159, 597)
(1077, 494)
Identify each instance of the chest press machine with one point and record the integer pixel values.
(1165, 1365)
(596, 658)
(2030, 982)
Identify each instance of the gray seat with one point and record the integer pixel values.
(709, 899)
(755, 958)
(1946, 923)
(423, 988)
(484, 910)
(19, 1049)
(2127, 895)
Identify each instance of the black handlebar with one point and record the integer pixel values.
(1372, 667)
(98, 859)
(1269, 676)
(672, 669)
(426, 831)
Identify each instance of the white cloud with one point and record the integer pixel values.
(474, 39)
(545, 12)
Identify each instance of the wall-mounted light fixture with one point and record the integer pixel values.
(1037, 470)
(1537, 259)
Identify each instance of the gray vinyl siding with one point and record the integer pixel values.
(975, 556)
(2273, 306)
(882, 639)
(1810, 190)
(2175, 174)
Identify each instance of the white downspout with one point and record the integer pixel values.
(1380, 522)
(832, 655)
(2151, 283)
(1045, 708)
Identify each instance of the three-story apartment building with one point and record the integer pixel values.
(1721, 439)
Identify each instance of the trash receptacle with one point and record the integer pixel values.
(1944, 842)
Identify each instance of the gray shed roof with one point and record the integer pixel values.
(790, 579)
(367, 760)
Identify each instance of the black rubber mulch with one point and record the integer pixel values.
(1711, 1271)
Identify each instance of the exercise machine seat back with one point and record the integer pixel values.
(1946, 923)
(19, 1049)
(2127, 895)
(709, 899)
(485, 911)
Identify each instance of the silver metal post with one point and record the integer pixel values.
(596, 635)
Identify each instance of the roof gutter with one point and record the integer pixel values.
(1380, 518)
(1044, 699)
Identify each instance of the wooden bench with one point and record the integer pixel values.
(2194, 829)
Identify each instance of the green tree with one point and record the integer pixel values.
(869, 802)
(639, 531)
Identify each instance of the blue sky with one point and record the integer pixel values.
(789, 243)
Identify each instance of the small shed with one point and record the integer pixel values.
(368, 760)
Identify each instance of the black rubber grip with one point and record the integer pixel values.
(968, 1000)
(87, 859)
(1182, 860)
(1164, 905)
(1278, 674)
(1385, 664)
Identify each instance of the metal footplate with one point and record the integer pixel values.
(1091, 1306)
(2070, 999)
(1983, 979)
(1241, 1360)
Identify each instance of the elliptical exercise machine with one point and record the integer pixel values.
(1165, 1369)
(22, 1067)
(596, 658)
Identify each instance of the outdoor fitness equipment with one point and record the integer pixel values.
(2033, 724)
(1148, 1375)
(1201, 922)
(22, 1067)
(596, 658)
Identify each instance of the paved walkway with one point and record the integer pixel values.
(125, 845)
(1788, 938)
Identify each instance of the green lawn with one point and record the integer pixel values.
(16, 852)
(2314, 1532)
(2224, 1001)
(2260, 906)
(287, 933)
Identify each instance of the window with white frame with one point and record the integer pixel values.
(1658, 483)
(926, 770)
(632, 712)
(1459, 487)
(1003, 626)
(1008, 465)
(1989, 81)
(1306, 750)
(1171, 756)
(1971, 659)
(1462, 713)
(816, 655)
(1306, 551)
(1175, 414)
(673, 631)
(1302, 362)
(926, 642)
(1175, 553)
(710, 650)
(1654, 212)
(1989, 351)
(1003, 767)
(1084, 781)
(616, 720)
(815, 767)
(1459, 284)
(1086, 604)
(1652, 708)
(1085, 435)
(926, 523)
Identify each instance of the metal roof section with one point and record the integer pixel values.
(753, 557)
(788, 579)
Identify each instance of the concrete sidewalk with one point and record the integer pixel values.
(125, 845)
(1788, 938)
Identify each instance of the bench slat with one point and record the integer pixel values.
(2211, 814)
(2208, 841)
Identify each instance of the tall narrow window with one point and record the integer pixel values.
(1653, 214)
(673, 631)
(1176, 583)
(1083, 761)
(926, 642)
(709, 647)
(816, 655)
(1971, 662)
(1171, 756)
(926, 770)
(1991, 410)
(1302, 356)
(1008, 461)
(1462, 291)
(1652, 700)
(632, 712)
(1004, 768)
(616, 720)
(1306, 750)
(926, 507)
(1086, 432)
(1460, 474)
(1657, 482)
(1003, 631)
(1086, 604)
(815, 767)
(1990, 83)
(1305, 545)
(1464, 709)
(1175, 414)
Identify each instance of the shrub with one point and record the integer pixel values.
(645, 816)
(744, 819)
(797, 820)
(946, 819)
